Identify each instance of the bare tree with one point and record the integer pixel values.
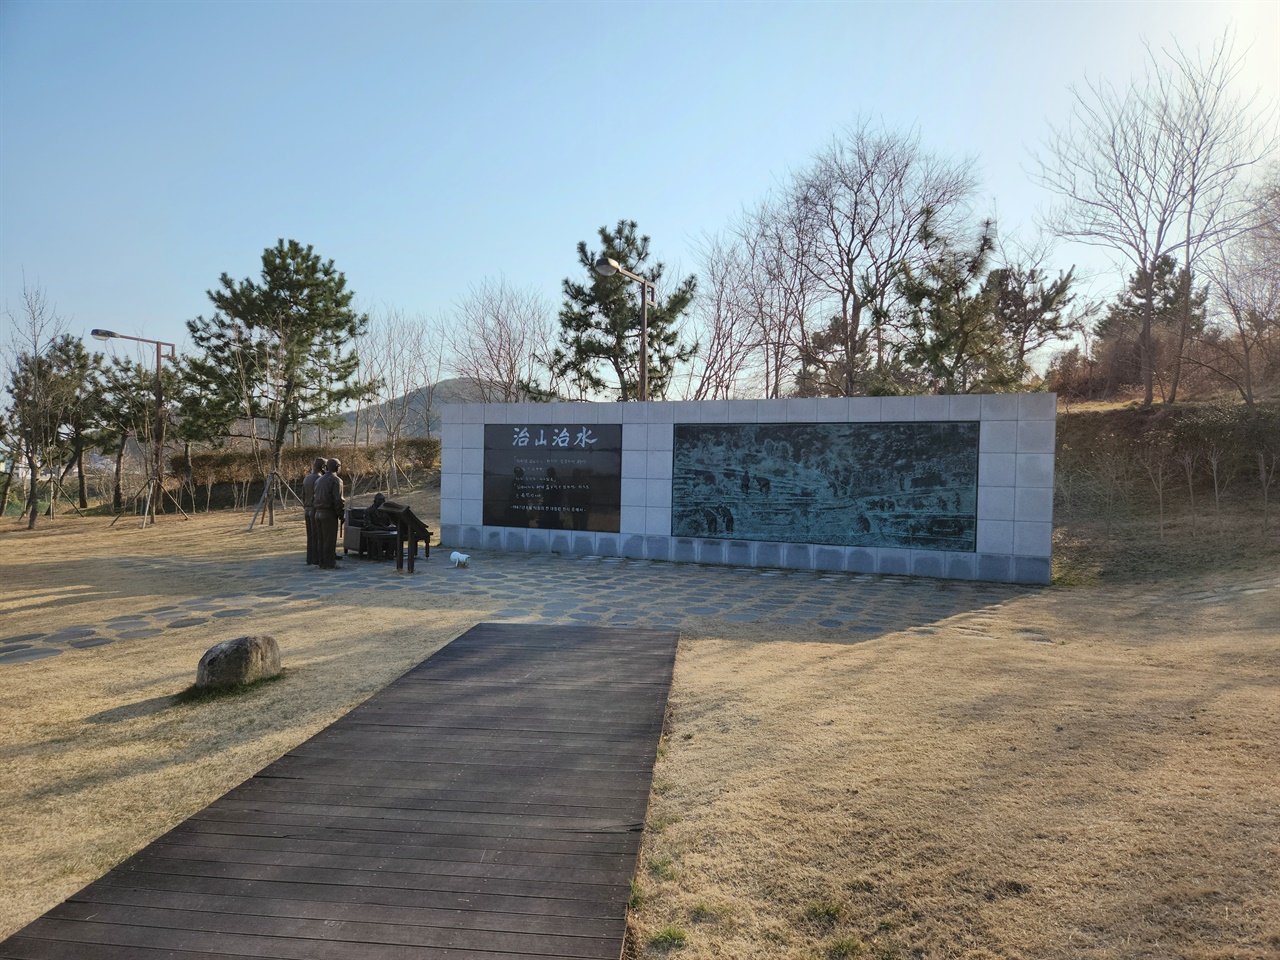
(1220, 137)
(398, 351)
(1121, 182)
(1243, 346)
(37, 392)
(10, 454)
(723, 324)
(853, 224)
(778, 290)
(496, 335)
(432, 361)
(1152, 169)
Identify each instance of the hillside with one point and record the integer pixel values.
(417, 423)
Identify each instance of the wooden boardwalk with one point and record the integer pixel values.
(487, 805)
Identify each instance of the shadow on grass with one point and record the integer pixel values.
(194, 695)
(1089, 554)
(191, 696)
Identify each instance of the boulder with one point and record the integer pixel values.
(239, 661)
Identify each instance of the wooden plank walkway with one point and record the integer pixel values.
(487, 805)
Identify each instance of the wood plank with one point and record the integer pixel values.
(340, 889)
(437, 859)
(487, 805)
(361, 931)
(265, 904)
(409, 798)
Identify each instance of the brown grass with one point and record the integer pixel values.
(1086, 771)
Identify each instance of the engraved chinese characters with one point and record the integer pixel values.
(553, 476)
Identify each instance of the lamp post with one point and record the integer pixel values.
(607, 267)
(155, 486)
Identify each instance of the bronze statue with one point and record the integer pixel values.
(375, 518)
(309, 509)
(328, 508)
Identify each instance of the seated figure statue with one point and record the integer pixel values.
(374, 518)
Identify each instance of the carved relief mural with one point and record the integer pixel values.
(910, 484)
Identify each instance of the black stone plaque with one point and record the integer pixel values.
(909, 485)
(553, 476)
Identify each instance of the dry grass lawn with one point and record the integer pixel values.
(1088, 771)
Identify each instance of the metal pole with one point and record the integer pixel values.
(644, 340)
(159, 432)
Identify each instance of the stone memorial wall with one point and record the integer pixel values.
(958, 487)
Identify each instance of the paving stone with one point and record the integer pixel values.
(22, 638)
(237, 612)
(70, 633)
(186, 622)
(27, 656)
(139, 634)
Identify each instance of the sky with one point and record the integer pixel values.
(146, 148)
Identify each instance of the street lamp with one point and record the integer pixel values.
(607, 267)
(155, 485)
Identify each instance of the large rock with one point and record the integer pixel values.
(235, 662)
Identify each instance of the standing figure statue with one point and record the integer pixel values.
(309, 509)
(328, 508)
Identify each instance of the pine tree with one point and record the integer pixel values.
(280, 351)
(956, 340)
(129, 391)
(1160, 297)
(599, 346)
(1031, 309)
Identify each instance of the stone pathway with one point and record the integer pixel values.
(545, 588)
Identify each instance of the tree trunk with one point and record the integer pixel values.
(8, 482)
(189, 473)
(33, 495)
(117, 495)
(1184, 330)
(1144, 340)
(84, 493)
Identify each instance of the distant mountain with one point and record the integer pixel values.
(457, 390)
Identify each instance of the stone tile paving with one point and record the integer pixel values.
(546, 588)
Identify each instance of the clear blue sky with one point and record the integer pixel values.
(145, 148)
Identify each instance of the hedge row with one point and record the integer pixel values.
(242, 466)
